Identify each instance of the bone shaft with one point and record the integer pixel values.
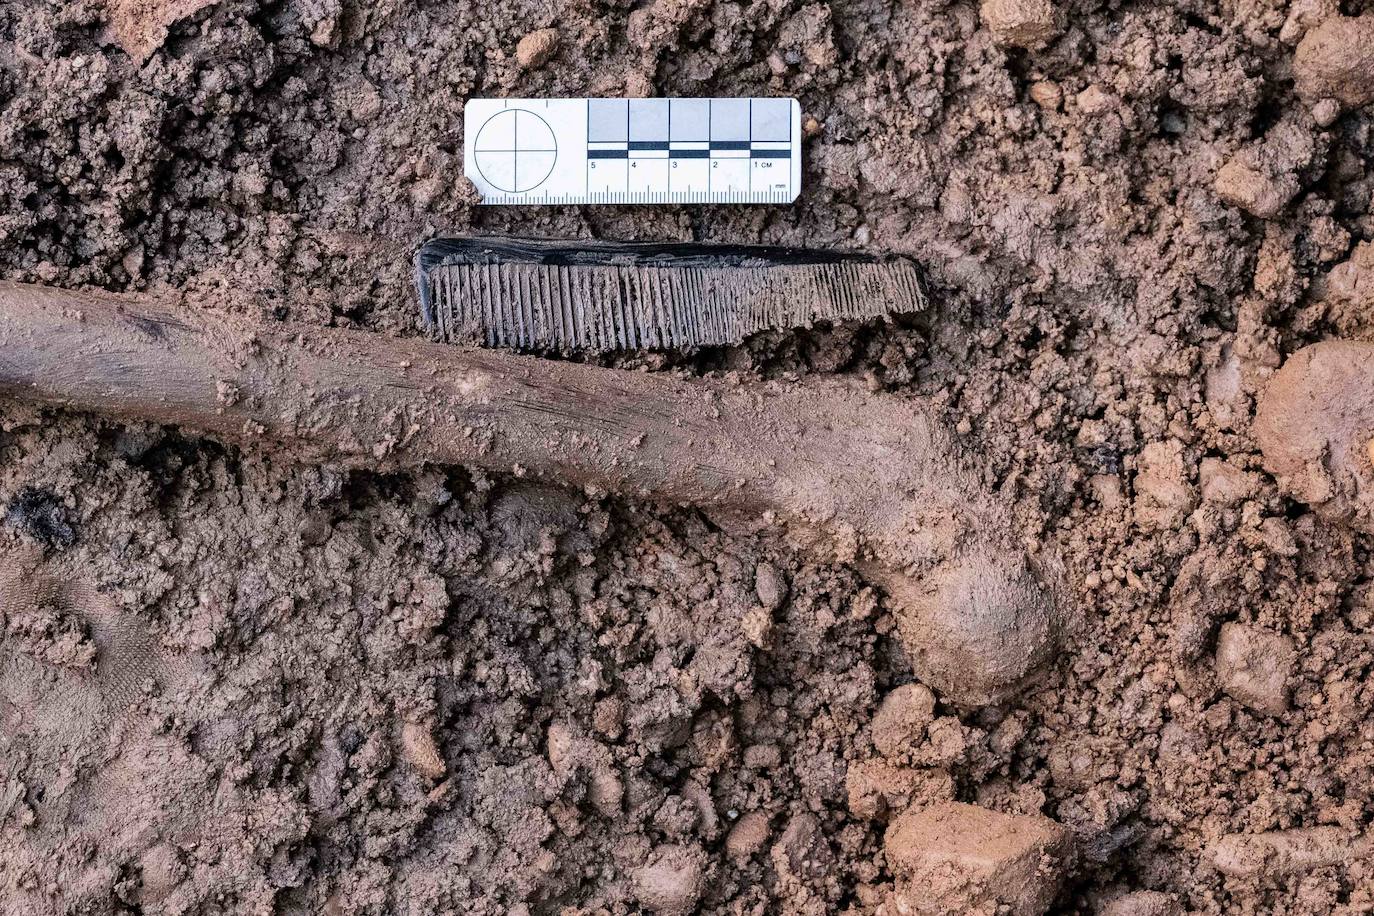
(367, 399)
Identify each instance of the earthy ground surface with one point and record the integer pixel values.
(229, 684)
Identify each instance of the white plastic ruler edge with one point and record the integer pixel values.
(633, 151)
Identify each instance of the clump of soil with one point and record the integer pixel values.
(446, 691)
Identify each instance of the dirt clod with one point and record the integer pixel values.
(670, 883)
(420, 750)
(140, 26)
(1283, 853)
(985, 634)
(537, 48)
(748, 835)
(953, 857)
(1253, 666)
(902, 718)
(1021, 23)
(1248, 187)
(1264, 177)
(1336, 60)
(1314, 423)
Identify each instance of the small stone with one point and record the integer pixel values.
(1030, 24)
(1095, 101)
(536, 49)
(315, 528)
(1243, 185)
(671, 881)
(811, 127)
(770, 586)
(901, 720)
(1335, 60)
(562, 749)
(748, 836)
(1142, 903)
(606, 790)
(1326, 112)
(1047, 94)
(160, 870)
(419, 749)
(323, 19)
(1253, 666)
(957, 858)
(132, 262)
(1304, 15)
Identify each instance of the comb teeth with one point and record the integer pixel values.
(602, 296)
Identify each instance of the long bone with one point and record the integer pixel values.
(865, 478)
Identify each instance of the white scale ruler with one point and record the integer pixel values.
(633, 151)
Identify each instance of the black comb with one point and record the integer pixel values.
(532, 294)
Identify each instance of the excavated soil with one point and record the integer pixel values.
(230, 684)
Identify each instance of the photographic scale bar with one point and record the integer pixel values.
(633, 151)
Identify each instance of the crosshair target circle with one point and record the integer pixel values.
(515, 150)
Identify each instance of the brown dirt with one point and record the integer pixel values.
(634, 706)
